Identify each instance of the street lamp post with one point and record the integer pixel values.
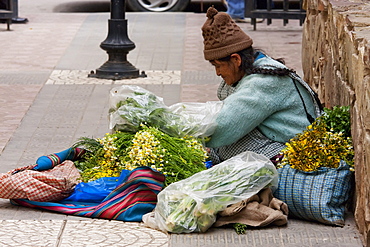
(117, 45)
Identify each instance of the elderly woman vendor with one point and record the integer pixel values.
(264, 103)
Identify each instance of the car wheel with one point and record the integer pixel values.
(157, 5)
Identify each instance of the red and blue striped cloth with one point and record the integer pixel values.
(129, 201)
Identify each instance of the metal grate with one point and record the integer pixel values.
(274, 9)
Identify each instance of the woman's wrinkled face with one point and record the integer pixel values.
(229, 70)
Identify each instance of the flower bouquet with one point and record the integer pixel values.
(175, 157)
(324, 143)
(316, 171)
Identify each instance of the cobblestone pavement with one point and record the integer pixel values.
(48, 101)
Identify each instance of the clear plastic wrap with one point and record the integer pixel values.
(198, 119)
(132, 105)
(191, 205)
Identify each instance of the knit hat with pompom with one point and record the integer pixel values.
(222, 37)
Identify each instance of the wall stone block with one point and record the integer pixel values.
(336, 63)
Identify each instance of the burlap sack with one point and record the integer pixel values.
(259, 210)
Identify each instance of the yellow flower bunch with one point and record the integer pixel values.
(177, 158)
(317, 147)
(146, 150)
(104, 156)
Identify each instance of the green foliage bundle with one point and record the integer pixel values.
(175, 157)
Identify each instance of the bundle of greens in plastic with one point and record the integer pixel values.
(191, 205)
(132, 105)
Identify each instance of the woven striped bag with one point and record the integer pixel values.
(318, 196)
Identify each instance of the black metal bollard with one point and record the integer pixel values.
(117, 45)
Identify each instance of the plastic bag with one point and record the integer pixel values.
(95, 191)
(198, 119)
(191, 205)
(132, 105)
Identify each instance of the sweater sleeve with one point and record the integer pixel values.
(256, 98)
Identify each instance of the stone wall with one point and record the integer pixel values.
(336, 62)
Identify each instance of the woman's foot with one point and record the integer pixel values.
(244, 20)
(241, 20)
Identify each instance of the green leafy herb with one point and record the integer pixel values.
(146, 108)
(338, 120)
(240, 228)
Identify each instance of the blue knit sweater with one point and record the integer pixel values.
(268, 102)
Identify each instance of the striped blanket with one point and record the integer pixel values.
(129, 201)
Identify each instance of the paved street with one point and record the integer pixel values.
(48, 102)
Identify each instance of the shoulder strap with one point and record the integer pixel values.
(313, 94)
(309, 116)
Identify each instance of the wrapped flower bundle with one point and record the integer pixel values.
(323, 144)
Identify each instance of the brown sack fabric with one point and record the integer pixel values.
(259, 210)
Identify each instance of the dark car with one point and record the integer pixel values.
(163, 5)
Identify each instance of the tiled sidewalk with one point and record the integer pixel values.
(78, 233)
(49, 102)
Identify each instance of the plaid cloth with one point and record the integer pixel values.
(254, 141)
(320, 195)
(133, 198)
(50, 185)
